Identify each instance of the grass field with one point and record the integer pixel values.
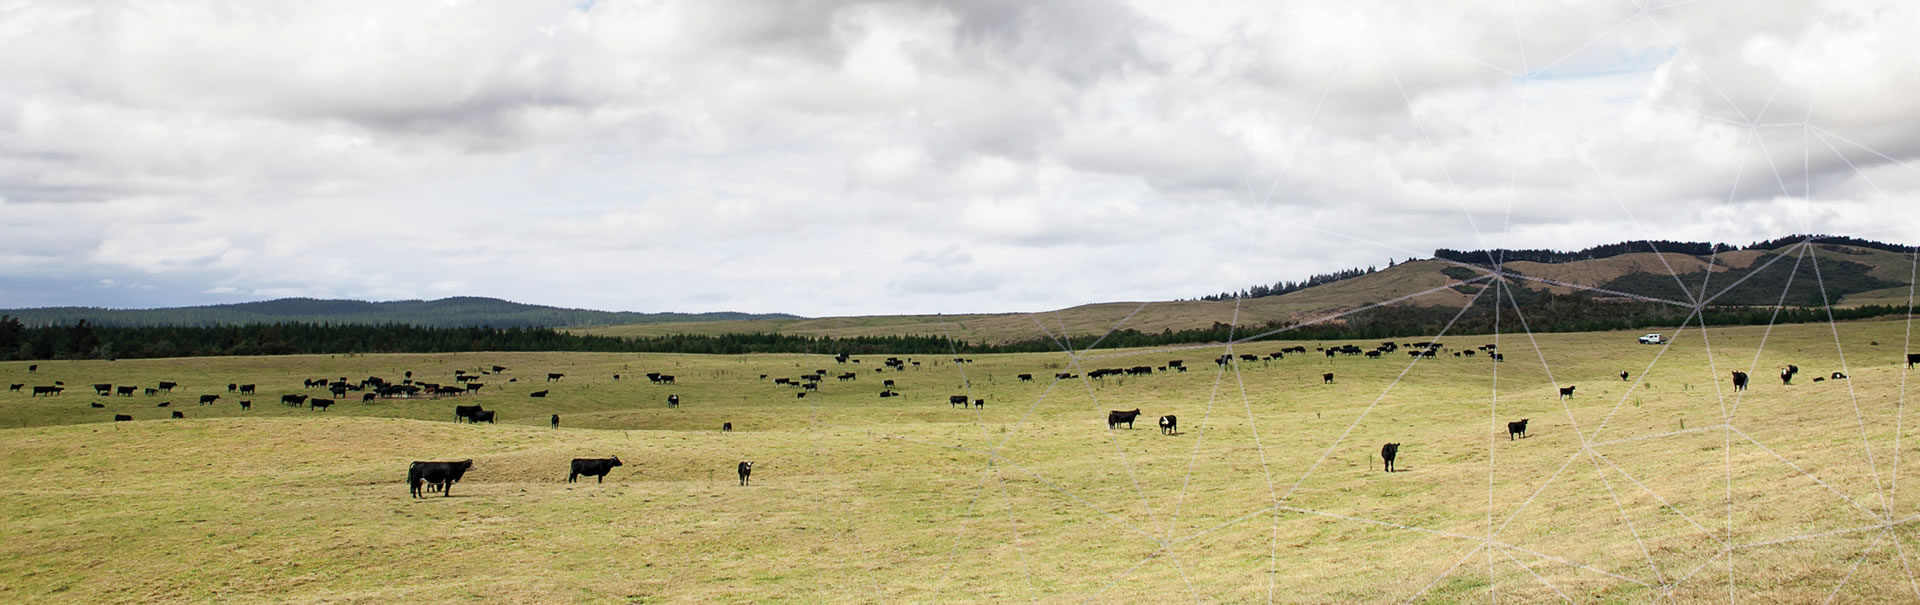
(861, 499)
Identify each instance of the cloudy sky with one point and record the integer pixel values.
(827, 157)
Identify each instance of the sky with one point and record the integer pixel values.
(826, 157)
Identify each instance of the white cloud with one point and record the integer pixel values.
(857, 157)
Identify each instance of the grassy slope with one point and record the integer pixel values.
(862, 499)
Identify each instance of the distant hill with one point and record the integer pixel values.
(465, 311)
(1851, 273)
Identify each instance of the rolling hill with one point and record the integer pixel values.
(1839, 274)
(443, 313)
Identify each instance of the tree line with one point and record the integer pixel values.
(1544, 313)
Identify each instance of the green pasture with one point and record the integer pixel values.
(856, 498)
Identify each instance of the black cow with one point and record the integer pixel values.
(103, 389)
(125, 391)
(1387, 453)
(1517, 428)
(97, 404)
(556, 421)
(953, 400)
(246, 389)
(208, 399)
(1116, 418)
(152, 392)
(16, 387)
(477, 417)
(553, 377)
(616, 378)
(1326, 378)
(319, 404)
(1912, 358)
(439, 474)
(164, 404)
(726, 426)
(1169, 425)
(178, 415)
(293, 400)
(1739, 381)
(48, 391)
(1026, 378)
(367, 398)
(1566, 392)
(537, 394)
(499, 368)
(122, 418)
(800, 395)
(746, 470)
(168, 386)
(233, 387)
(666, 379)
(1623, 376)
(33, 368)
(593, 467)
(1786, 375)
(246, 404)
(887, 383)
(886, 394)
(673, 401)
(979, 403)
(465, 412)
(1839, 376)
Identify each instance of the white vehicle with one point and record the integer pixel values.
(1653, 339)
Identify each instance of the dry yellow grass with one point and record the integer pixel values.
(860, 499)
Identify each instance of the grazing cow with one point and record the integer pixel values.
(616, 378)
(1326, 378)
(1169, 425)
(673, 401)
(465, 412)
(208, 399)
(800, 395)
(48, 391)
(233, 387)
(1387, 453)
(439, 474)
(541, 394)
(726, 427)
(888, 383)
(954, 400)
(666, 379)
(1739, 381)
(1912, 358)
(1839, 376)
(367, 398)
(1517, 428)
(246, 404)
(103, 390)
(1116, 418)
(1026, 378)
(553, 377)
(168, 386)
(33, 368)
(178, 415)
(246, 389)
(164, 404)
(1566, 392)
(979, 403)
(152, 392)
(556, 421)
(1623, 376)
(319, 404)
(746, 470)
(593, 467)
(97, 404)
(482, 415)
(498, 369)
(125, 391)
(122, 418)
(1786, 375)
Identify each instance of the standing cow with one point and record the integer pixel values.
(746, 470)
(1169, 425)
(1117, 418)
(1517, 428)
(1387, 453)
(1739, 381)
(556, 421)
(592, 467)
(439, 474)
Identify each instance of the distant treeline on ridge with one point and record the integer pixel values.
(1544, 313)
(1485, 257)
